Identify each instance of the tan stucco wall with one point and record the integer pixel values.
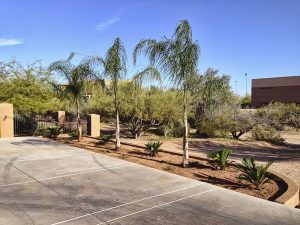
(93, 126)
(6, 120)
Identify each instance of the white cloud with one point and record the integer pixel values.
(106, 24)
(11, 41)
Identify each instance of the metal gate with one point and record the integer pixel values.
(24, 125)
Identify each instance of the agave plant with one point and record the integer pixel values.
(105, 138)
(55, 131)
(153, 147)
(220, 158)
(253, 173)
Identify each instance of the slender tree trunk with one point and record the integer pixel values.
(79, 129)
(185, 161)
(118, 143)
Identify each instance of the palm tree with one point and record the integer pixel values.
(115, 69)
(74, 90)
(178, 58)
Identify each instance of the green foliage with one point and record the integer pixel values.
(220, 158)
(178, 58)
(105, 138)
(253, 173)
(263, 132)
(28, 89)
(42, 132)
(246, 101)
(76, 77)
(277, 115)
(55, 131)
(153, 147)
(74, 134)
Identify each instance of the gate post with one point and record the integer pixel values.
(93, 125)
(6, 120)
(61, 116)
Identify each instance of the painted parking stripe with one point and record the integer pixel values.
(129, 203)
(168, 203)
(67, 175)
(41, 159)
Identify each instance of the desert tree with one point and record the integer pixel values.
(177, 57)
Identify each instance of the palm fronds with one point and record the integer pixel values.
(220, 158)
(253, 173)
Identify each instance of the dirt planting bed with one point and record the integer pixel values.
(199, 169)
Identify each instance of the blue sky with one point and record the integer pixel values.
(261, 38)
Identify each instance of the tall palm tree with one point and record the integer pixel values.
(178, 58)
(74, 90)
(114, 65)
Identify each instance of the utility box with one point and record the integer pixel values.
(93, 125)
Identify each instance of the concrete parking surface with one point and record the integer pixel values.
(44, 182)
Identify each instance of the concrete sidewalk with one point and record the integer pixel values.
(45, 182)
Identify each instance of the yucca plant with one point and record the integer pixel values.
(55, 131)
(220, 159)
(153, 147)
(253, 173)
(105, 138)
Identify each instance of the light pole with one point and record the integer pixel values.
(246, 84)
(235, 87)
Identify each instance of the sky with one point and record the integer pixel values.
(260, 38)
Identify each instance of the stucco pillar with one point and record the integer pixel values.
(93, 125)
(61, 116)
(6, 120)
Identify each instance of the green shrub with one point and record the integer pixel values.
(153, 147)
(220, 158)
(55, 131)
(74, 135)
(42, 132)
(105, 138)
(266, 133)
(253, 173)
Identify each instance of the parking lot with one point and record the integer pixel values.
(45, 182)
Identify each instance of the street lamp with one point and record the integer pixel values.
(246, 84)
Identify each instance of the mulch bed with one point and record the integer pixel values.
(199, 169)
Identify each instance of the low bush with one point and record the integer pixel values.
(55, 131)
(105, 138)
(42, 132)
(74, 134)
(220, 159)
(266, 133)
(153, 147)
(253, 173)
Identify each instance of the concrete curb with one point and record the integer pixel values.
(291, 196)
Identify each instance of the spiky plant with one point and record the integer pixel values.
(178, 58)
(153, 147)
(253, 173)
(220, 159)
(105, 138)
(55, 131)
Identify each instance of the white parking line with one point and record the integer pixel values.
(168, 203)
(129, 203)
(67, 175)
(66, 156)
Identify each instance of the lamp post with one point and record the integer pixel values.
(246, 83)
(235, 87)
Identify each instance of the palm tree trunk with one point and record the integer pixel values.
(79, 129)
(185, 161)
(118, 143)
